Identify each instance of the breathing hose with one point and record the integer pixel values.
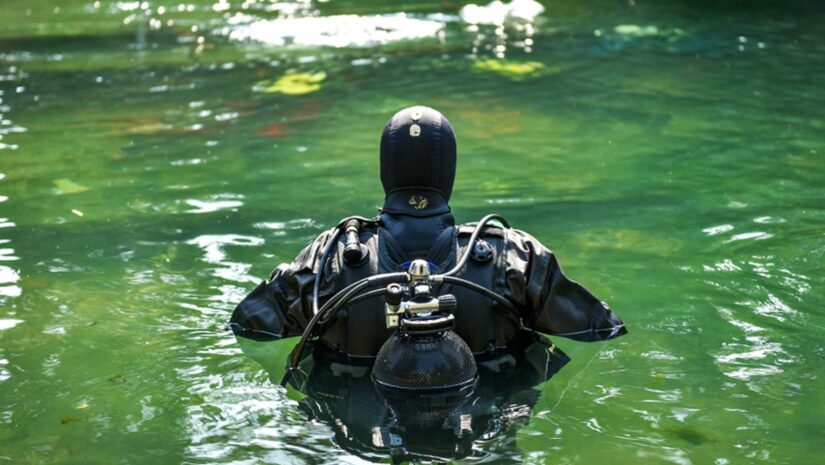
(336, 303)
(472, 242)
(317, 285)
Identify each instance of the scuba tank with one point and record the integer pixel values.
(424, 353)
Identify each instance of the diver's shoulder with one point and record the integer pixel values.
(511, 237)
(338, 231)
(494, 230)
(489, 230)
(362, 221)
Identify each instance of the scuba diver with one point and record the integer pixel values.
(412, 303)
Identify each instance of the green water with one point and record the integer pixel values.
(671, 154)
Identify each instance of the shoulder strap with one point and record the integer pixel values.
(363, 220)
(467, 229)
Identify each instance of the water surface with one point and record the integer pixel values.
(154, 165)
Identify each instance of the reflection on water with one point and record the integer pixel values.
(8, 282)
(214, 203)
(9, 275)
(495, 27)
(375, 424)
(332, 31)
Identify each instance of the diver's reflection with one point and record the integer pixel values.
(374, 423)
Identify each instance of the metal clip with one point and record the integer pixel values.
(415, 129)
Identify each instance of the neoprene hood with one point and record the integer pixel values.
(418, 160)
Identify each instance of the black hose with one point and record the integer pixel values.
(317, 286)
(473, 238)
(329, 310)
(327, 250)
(461, 282)
(362, 297)
(336, 303)
(481, 290)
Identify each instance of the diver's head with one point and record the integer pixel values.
(418, 150)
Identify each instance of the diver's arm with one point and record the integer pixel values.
(552, 303)
(280, 306)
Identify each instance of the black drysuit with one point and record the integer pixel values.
(508, 261)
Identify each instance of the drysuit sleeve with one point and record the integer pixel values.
(281, 306)
(552, 303)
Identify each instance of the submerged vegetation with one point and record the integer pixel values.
(514, 69)
(294, 84)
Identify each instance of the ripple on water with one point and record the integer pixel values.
(662, 396)
(8, 282)
(773, 308)
(8, 323)
(282, 228)
(768, 220)
(7, 126)
(242, 410)
(5, 374)
(214, 203)
(608, 392)
(755, 235)
(213, 245)
(191, 161)
(7, 253)
(238, 272)
(797, 283)
(661, 356)
(754, 355)
(724, 265)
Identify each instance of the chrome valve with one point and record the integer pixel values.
(416, 299)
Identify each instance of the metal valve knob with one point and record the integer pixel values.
(419, 271)
(395, 293)
(447, 303)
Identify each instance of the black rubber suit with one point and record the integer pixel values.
(418, 160)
